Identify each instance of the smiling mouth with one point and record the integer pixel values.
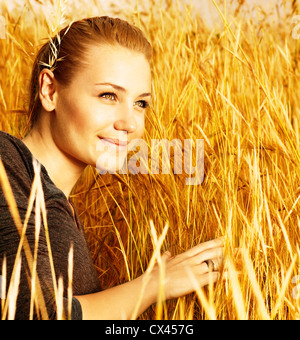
(114, 142)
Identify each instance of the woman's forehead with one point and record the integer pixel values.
(116, 65)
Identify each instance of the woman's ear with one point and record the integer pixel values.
(47, 90)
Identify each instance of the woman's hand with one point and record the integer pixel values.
(182, 271)
(123, 301)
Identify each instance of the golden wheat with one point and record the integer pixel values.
(237, 88)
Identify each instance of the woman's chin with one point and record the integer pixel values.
(111, 165)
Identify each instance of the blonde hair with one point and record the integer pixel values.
(64, 54)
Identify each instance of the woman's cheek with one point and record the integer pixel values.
(140, 127)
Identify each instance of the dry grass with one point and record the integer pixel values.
(236, 88)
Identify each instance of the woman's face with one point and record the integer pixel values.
(103, 108)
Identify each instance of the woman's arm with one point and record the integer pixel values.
(117, 303)
(120, 302)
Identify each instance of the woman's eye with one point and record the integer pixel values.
(109, 96)
(142, 104)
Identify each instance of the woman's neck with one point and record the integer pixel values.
(63, 169)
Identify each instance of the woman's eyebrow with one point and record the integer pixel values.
(122, 89)
(116, 87)
(145, 95)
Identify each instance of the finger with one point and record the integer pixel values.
(200, 258)
(216, 243)
(211, 254)
(201, 269)
(201, 278)
(210, 265)
(167, 254)
(217, 263)
(209, 278)
(208, 261)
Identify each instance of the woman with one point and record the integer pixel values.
(90, 88)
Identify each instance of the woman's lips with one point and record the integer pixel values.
(115, 142)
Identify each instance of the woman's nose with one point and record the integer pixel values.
(126, 120)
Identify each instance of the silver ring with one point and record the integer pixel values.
(210, 265)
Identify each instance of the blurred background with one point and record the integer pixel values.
(273, 9)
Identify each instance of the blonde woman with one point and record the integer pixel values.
(89, 92)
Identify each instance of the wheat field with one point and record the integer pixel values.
(235, 86)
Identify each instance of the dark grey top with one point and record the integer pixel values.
(64, 230)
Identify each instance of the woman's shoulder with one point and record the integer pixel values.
(7, 140)
(15, 156)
